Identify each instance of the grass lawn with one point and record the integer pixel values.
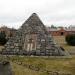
(62, 65)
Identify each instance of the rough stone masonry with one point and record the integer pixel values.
(32, 38)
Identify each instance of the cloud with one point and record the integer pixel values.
(58, 12)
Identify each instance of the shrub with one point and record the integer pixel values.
(70, 39)
(3, 39)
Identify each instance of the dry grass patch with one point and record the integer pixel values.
(20, 70)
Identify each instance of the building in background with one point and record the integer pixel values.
(8, 31)
(61, 31)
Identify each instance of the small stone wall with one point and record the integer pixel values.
(5, 68)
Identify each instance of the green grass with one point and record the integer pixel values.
(20, 70)
(64, 65)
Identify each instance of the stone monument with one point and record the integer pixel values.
(32, 38)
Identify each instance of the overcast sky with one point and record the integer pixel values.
(58, 12)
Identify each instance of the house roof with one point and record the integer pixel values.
(58, 29)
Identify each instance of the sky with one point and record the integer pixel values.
(13, 13)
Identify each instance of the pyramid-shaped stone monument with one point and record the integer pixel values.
(32, 39)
